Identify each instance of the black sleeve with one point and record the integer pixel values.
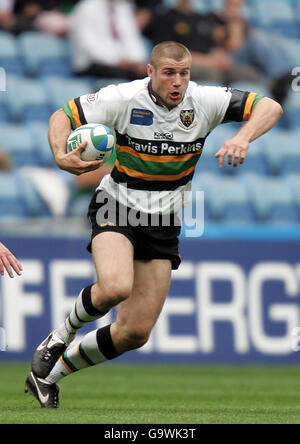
(236, 107)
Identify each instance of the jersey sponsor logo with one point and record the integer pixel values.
(163, 136)
(187, 119)
(141, 117)
(160, 148)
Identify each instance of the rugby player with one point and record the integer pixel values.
(161, 124)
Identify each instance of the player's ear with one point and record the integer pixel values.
(150, 70)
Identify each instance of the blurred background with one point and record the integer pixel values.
(236, 296)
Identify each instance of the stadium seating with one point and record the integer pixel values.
(9, 55)
(293, 181)
(4, 109)
(275, 15)
(282, 152)
(225, 198)
(11, 204)
(39, 134)
(39, 81)
(34, 205)
(27, 100)
(17, 141)
(271, 199)
(60, 90)
(44, 54)
(292, 108)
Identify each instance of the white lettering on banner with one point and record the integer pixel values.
(19, 304)
(244, 311)
(210, 312)
(287, 313)
(170, 343)
(295, 339)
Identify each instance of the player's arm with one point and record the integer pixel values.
(8, 262)
(262, 117)
(59, 131)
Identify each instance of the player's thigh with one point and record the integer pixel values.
(150, 289)
(113, 258)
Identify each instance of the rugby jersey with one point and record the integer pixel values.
(157, 149)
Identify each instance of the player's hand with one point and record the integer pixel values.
(235, 149)
(8, 262)
(73, 163)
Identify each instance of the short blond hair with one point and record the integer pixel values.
(169, 50)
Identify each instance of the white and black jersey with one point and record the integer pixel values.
(157, 148)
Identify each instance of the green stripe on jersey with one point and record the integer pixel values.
(256, 100)
(156, 168)
(68, 111)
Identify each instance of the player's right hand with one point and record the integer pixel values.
(73, 163)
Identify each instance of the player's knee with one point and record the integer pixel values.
(137, 336)
(111, 293)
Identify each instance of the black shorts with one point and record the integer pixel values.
(156, 241)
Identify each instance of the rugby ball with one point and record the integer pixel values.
(100, 141)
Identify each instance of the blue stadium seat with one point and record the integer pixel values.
(60, 90)
(39, 50)
(17, 141)
(225, 198)
(268, 12)
(27, 100)
(293, 181)
(272, 199)
(5, 115)
(292, 109)
(33, 203)
(11, 204)
(9, 57)
(281, 150)
(255, 160)
(39, 134)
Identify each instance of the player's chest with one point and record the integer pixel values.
(184, 123)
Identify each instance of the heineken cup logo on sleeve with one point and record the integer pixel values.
(2, 79)
(3, 345)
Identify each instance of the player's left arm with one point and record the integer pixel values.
(264, 115)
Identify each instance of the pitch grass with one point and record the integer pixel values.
(153, 394)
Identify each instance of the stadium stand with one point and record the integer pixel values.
(11, 202)
(50, 56)
(9, 55)
(39, 81)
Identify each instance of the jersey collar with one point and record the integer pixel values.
(153, 97)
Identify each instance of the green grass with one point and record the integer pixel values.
(152, 394)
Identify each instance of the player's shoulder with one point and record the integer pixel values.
(125, 92)
(195, 89)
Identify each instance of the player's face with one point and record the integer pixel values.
(170, 80)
